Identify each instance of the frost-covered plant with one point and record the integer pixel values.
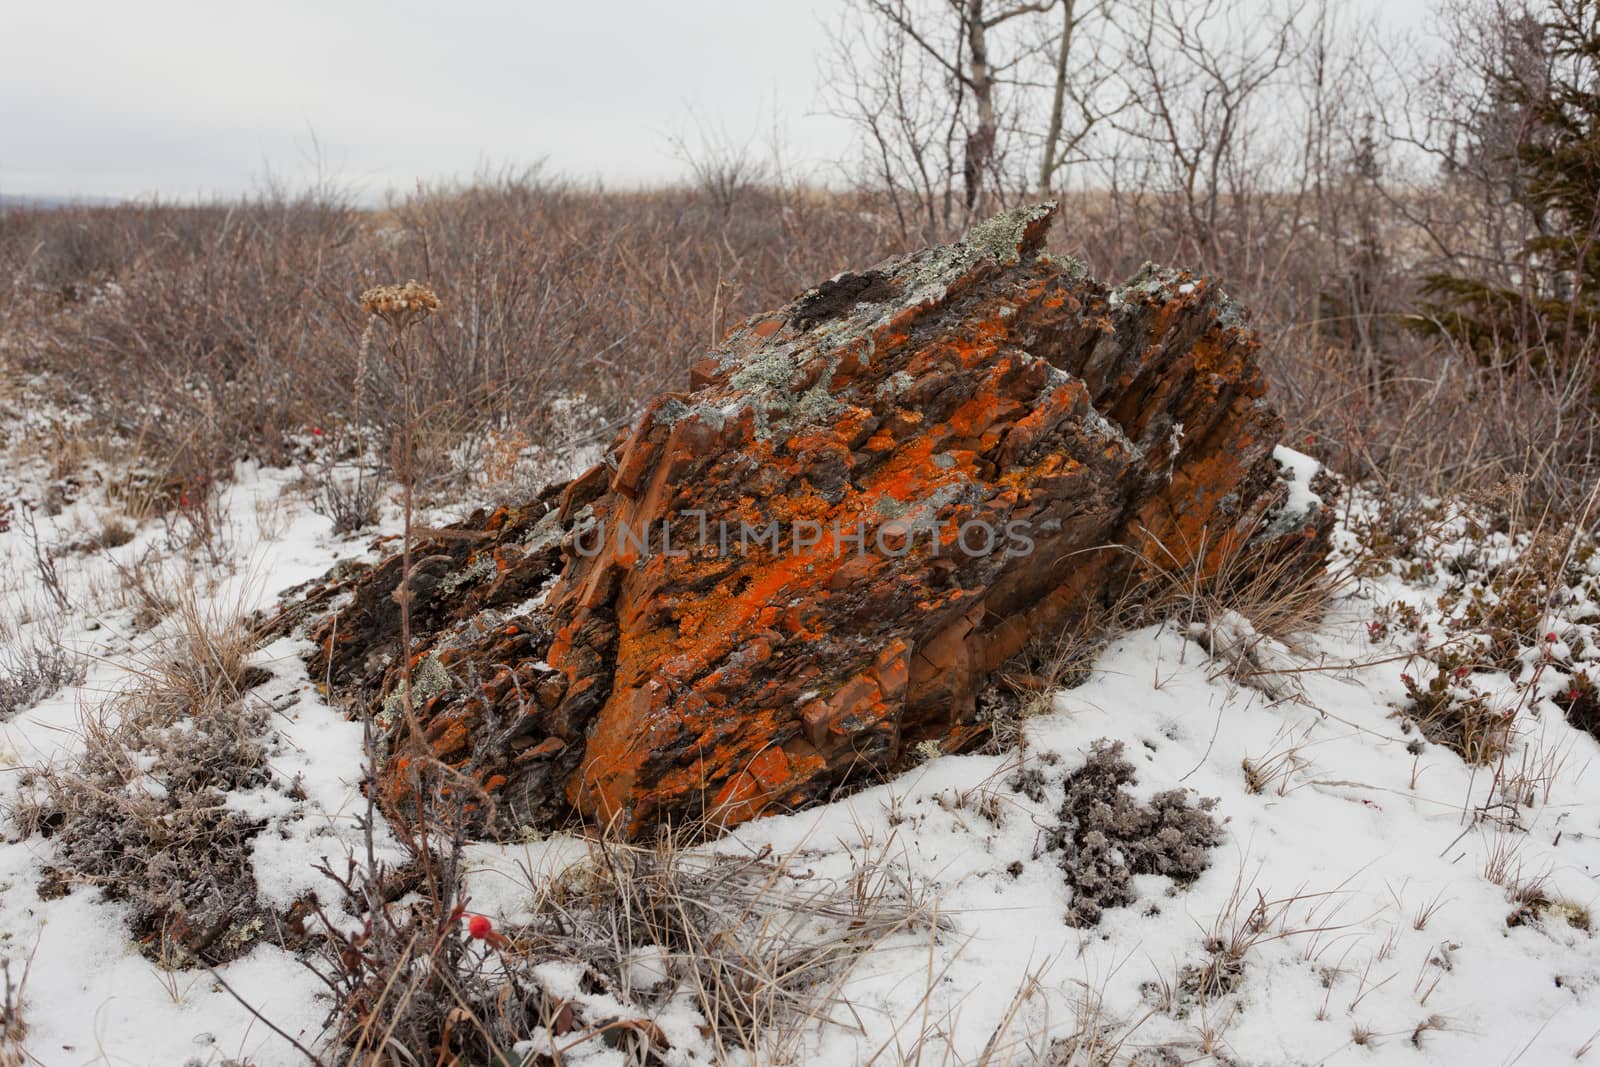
(747, 948)
(350, 500)
(1107, 835)
(1398, 534)
(143, 812)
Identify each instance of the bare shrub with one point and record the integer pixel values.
(144, 587)
(198, 335)
(32, 670)
(349, 497)
(724, 167)
(13, 1028)
(1106, 836)
(347, 476)
(403, 979)
(44, 560)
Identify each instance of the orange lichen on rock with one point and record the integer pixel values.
(870, 500)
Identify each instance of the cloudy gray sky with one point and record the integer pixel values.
(184, 98)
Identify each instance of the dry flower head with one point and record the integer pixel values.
(400, 305)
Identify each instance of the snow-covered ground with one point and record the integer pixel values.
(1356, 908)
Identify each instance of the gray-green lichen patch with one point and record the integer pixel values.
(890, 508)
(777, 406)
(584, 522)
(1110, 434)
(773, 369)
(948, 494)
(472, 573)
(427, 681)
(929, 505)
(1054, 378)
(1070, 266)
(1000, 238)
(671, 411)
(1158, 284)
(1151, 280)
(816, 404)
(546, 532)
(1231, 314)
(894, 385)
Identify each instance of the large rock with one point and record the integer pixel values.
(958, 451)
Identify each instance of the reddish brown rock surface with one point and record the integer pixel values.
(888, 426)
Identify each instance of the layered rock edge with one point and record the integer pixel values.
(960, 451)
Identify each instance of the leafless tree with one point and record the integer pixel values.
(970, 65)
(1083, 90)
(950, 98)
(908, 114)
(1199, 72)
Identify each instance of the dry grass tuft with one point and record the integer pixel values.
(758, 948)
(1094, 1037)
(1279, 595)
(1274, 771)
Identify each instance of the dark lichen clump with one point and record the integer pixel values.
(1107, 836)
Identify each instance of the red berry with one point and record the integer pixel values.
(1551, 637)
(480, 927)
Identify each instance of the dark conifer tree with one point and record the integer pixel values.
(1544, 121)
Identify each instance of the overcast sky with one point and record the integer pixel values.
(184, 98)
